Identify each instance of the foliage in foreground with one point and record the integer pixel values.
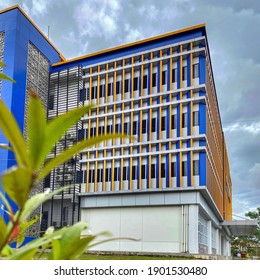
(31, 167)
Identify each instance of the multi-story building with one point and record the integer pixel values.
(168, 185)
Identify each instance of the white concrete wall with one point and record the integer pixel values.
(156, 229)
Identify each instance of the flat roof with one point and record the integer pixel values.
(147, 40)
(240, 227)
(38, 29)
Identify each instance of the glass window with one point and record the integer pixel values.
(154, 80)
(195, 118)
(135, 83)
(125, 173)
(153, 124)
(163, 77)
(163, 125)
(195, 70)
(144, 81)
(94, 92)
(101, 91)
(91, 177)
(173, 169)
(109, 89)
(196, 167)
(174, 75)
(108, 174)
(118, 87)
(134, 172)
(184, 168)
(184, 73)
(143, 171)
(127, 85)
(143, 126)
(134, 127)
(82, 95)
(153, 173)
(184, 120)
(116, 173)
(174, 122)
(126, 128)
(51, 102)
(163, 170)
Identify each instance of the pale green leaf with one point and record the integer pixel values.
(11, 130)
(7, 251)
(6, 147)
(35, 201)
(57, 127)
(2, 64)
(6, 203)
(24, 254)
(36, 130)
(3, 230)
(5, 77)
(75, 149)
(17, 184)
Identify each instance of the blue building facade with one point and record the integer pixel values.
(168, 185)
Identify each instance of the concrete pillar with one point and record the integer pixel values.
(209, 228)
(193, 247)
(217, 242)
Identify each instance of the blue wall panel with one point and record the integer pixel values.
(202, 160)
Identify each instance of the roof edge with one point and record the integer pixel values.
(37, 28)
(158, 37)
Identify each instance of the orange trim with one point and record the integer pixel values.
(133, 44)
(30, 20)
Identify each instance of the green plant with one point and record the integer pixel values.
(31, 168)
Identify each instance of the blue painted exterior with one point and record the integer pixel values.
(18, 32)
(202, 168)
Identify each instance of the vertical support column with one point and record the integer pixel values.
(191, 116)
(180, 146)
(217, 242)
(141, 122)
(151, 115)
(122, 122)
(105, 126)
(160, 126)
(130, 122)
(193, 239)
(170, 125)
(209, 227)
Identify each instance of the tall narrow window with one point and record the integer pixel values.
(51, 102)
(135, 83)
(143, 126)
(184, 73)
(154, 80)
(116, 173)
(109, 89)
(184, 120)
(184, 168)
(134, 172)
(144, 81)
(174, 75)
(196, 167)
(163, 170)
(163, 77)
(195, 118)
(153, 172)
(108, 174)
(125, 173)
(153, 124)
(126, 128)
(127, 85)
(143, 171)
(195, 70)
(134, 127)
(101, 91)
(118, 87)
(174, 122)
(163, 123)
(173, 169)
(82, 95)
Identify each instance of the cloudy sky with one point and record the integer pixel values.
(81, 27)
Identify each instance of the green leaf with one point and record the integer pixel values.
(75, 149)
(71, 245)
(2, 64)
(35, 201)
(12, 132)
(36, 129)
(5, 77)
(6, 147)
(3, 230)
(23, 227)
(17, 184)
(6, 203)
(57, 127)
(7, 251)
